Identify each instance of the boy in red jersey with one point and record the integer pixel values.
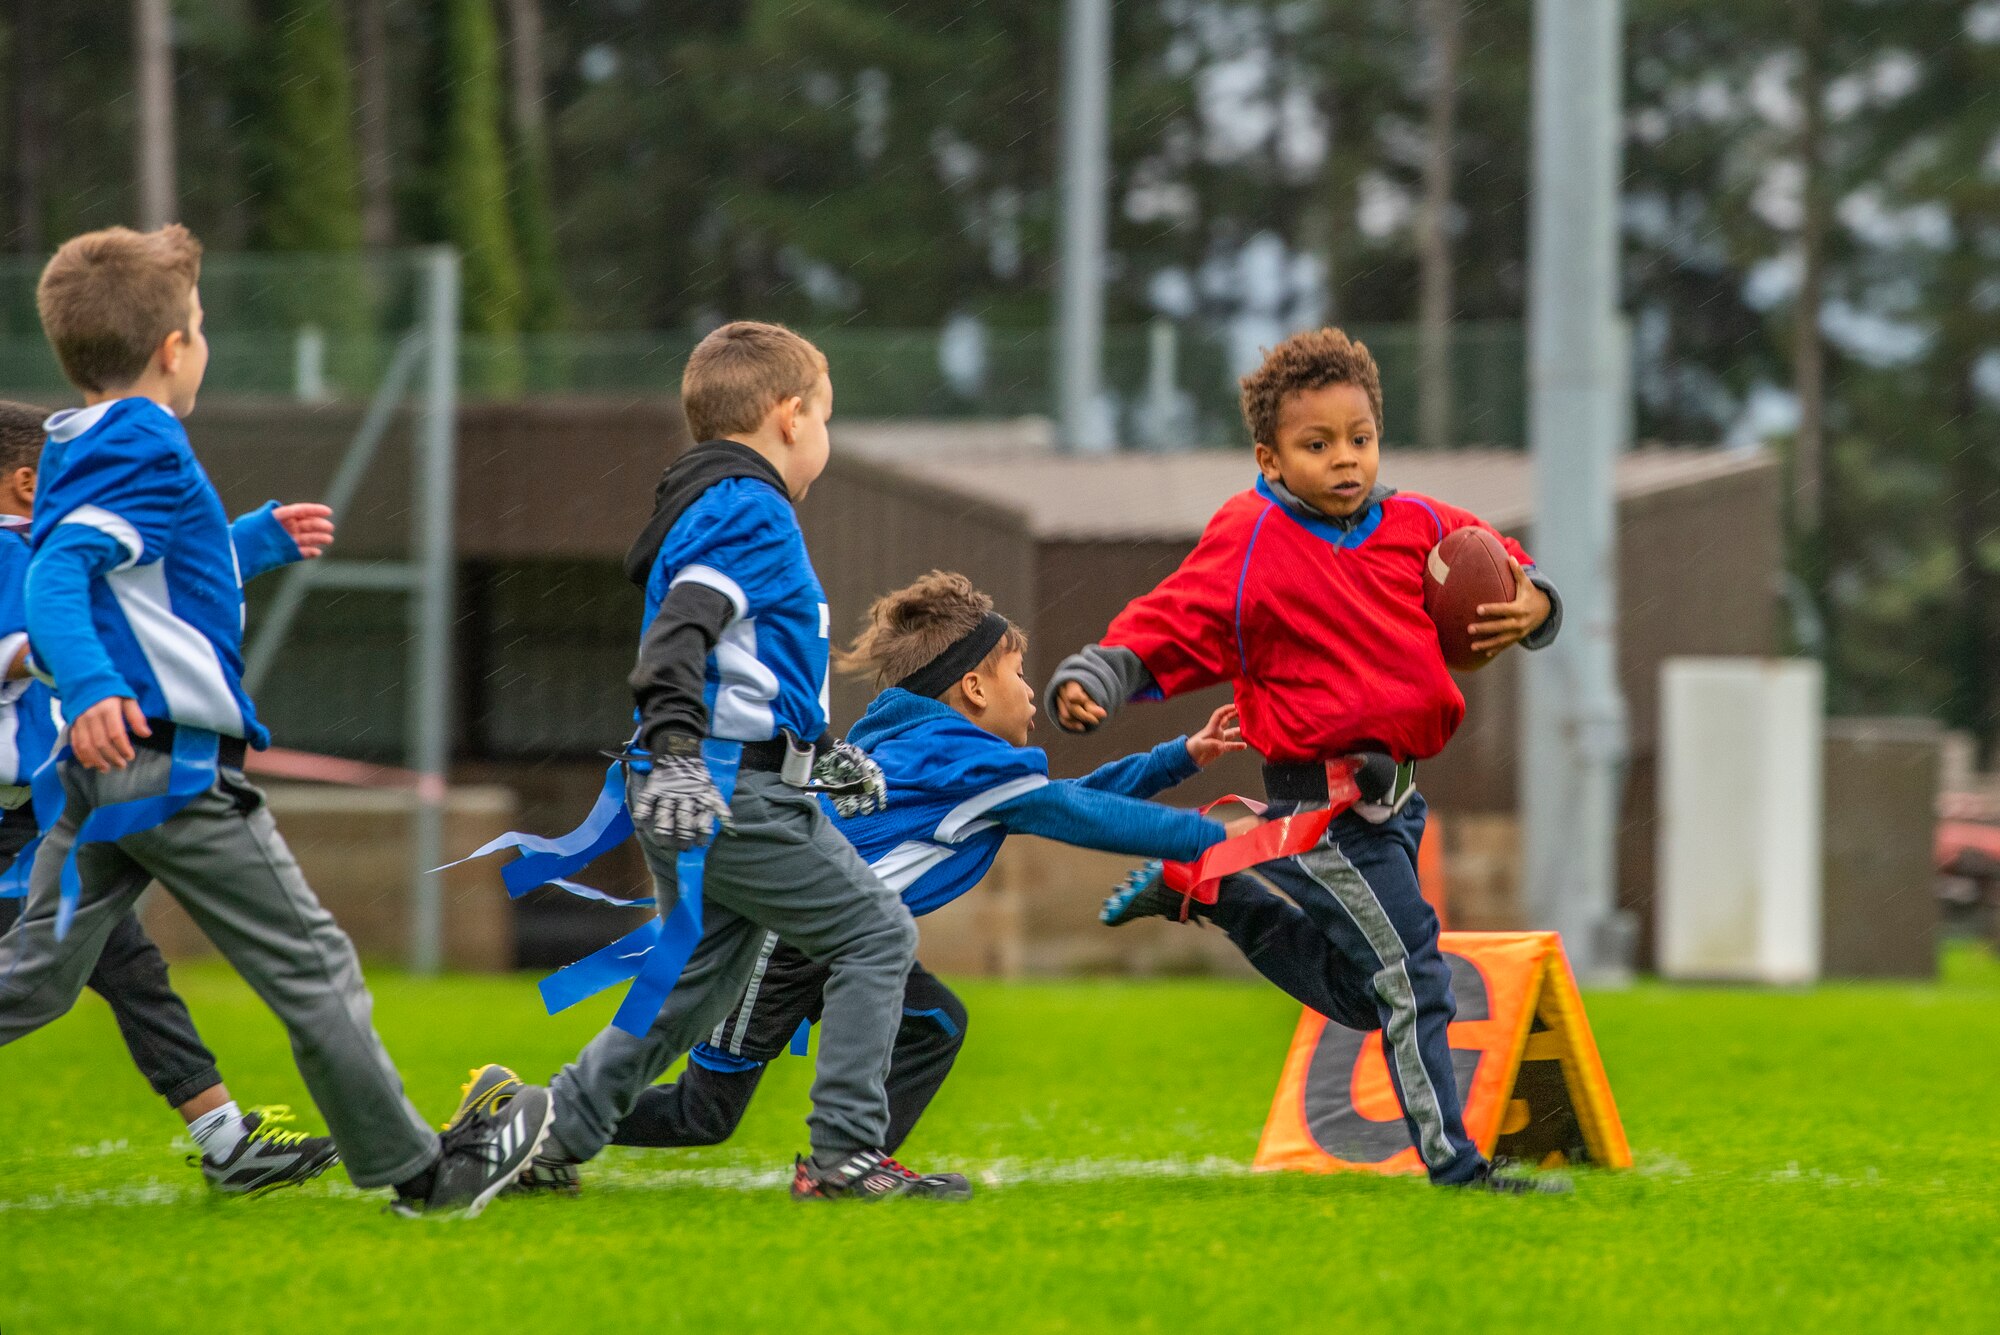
(1307, 594)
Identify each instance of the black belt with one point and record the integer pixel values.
(1307, 783)
(228, 754)
(765, 757)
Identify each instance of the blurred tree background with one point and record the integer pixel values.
(1828, 283)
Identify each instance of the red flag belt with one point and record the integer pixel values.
(1280, 838)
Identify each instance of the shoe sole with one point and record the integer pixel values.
(300, 1180)
(502, 1180)
(302, 1177)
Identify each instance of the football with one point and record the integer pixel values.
(1468, 569)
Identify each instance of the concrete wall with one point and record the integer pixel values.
(353, 846)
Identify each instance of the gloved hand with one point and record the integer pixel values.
(678, 800)
(846, 766)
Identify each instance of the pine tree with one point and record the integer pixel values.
(473, 187)
(534, 209)
(304, 169)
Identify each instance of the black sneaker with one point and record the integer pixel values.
(1502, 1183)
(484, 1089)
(547, 1175)
(267, 1158)
(1143, 895)
(484, 1150)
(871, 1175)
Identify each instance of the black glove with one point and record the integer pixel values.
(853, 780)
(678, 800)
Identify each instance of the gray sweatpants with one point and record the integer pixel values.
(224, 860)
(786, 869)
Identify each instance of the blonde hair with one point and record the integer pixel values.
(908, 628)
(743, 370)
(108, 299)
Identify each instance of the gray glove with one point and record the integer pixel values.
(678, 800)
(853, 780)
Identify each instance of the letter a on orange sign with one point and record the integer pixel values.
(1527, 1066)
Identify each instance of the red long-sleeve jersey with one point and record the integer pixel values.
(1320, 627)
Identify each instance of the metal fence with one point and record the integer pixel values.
(318, 327)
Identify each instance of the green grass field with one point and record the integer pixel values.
(1807, 1160)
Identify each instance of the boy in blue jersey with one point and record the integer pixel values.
(732, 671)
(239, 1152)
(950, 732)
(135, 608)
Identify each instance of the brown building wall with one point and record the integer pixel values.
(542, 479)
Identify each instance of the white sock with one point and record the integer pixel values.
(216, 1133)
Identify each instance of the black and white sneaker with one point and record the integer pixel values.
(484, 1150)
(871, 1175)
(267, 1157)
(484, 1087)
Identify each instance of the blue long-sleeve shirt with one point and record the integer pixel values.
(957, 791)
(136, 584)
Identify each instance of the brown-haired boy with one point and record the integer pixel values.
(1306, 593)
(239, 1152)
(950, 732)
(731, 687)
(135, 608)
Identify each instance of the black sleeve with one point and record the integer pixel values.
(1109, 675)
(1544, 635)
(673, 663)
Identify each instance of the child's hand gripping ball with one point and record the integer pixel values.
(1475, 594)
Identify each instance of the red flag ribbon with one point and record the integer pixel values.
(1280, 838)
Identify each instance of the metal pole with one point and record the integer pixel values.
(432, 549)
(153, 43)
(1573, 716)
(1086, 154)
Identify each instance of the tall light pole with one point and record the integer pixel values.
(1086, 174)
(1573, 715)
(153, 54)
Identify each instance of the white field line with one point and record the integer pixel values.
(630, 1171)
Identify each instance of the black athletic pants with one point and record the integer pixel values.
(707, 1103)
(131, 974)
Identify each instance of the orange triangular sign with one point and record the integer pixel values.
(1528, 1070)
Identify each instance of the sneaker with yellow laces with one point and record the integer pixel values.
(485, 1089)
(267, 1156)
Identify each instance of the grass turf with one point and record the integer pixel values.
(1806, 1160)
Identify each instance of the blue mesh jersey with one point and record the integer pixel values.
(769, 670)
(29, 719)
(956, 791)
(136, 583)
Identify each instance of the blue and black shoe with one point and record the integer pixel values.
(1144, 894)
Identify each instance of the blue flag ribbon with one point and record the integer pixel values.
(192, 773)
(652, 956)
(546, 861)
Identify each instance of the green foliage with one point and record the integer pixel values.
(544, 306)
(1793, 1173)
(472, 182)
(304, 172)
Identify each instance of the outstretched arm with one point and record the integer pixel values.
(1149, 773)
(1070, 813)
(274, 535)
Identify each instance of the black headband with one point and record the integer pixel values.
(941, 673)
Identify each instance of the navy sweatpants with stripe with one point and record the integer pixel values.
(1345, 929)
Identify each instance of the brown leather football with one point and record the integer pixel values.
(1468, 569)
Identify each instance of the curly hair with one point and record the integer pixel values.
(20, 435)
(910, 627)
(1312, 359)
